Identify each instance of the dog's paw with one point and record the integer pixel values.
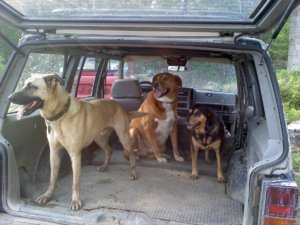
(162, 160)
(194, 176)
(75, 205)
(133, 176)
(178, 158)
(101, 168)
(221, 179)
(42, 199)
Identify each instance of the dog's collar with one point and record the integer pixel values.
(62, 112)
(165, 102)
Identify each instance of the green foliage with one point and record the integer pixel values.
(5, 49)
(280, 46)
(290, 90)
(296, 161)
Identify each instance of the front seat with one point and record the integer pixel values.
(128, 93)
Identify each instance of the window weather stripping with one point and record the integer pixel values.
(11, 44)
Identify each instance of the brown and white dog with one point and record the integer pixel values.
(149, 133)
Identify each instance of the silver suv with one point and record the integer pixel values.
(212, 46)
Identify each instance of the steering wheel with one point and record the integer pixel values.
(146, 83)
(146, 87)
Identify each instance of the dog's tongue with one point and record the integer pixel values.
(158, 93)
(20, 113)
(191, 126)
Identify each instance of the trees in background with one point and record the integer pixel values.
(293, 61)
(5, 50)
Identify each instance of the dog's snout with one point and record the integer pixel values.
(19, 98)
(12, 97)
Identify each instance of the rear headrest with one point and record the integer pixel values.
(126, 88)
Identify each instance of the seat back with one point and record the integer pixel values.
(128, 93)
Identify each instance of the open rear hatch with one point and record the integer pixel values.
(187, 18)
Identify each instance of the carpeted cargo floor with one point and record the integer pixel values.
(161, 192)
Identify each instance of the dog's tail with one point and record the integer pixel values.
(136, 114)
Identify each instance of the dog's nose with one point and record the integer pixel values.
(155, 85)
(11, 96)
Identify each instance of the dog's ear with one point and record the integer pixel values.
(208, 114)
(154, 78)
(53, 79)
(178, 81)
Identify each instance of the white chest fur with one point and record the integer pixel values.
(164, 127)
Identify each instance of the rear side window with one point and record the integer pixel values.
(111, 74)
(85, 77)
(209, 76)
(39, 63)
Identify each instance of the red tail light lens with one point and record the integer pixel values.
(281, 203)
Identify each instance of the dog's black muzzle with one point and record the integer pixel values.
(21, 98)
(29, 103)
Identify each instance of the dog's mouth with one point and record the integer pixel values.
(27, 109)
(192, 126)
(161, 92)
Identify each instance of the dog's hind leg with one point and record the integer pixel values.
(102, 141)
(125, 140)
(55, 159)
(134, 136)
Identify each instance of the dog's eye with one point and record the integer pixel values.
(30, 86)
(197, 113)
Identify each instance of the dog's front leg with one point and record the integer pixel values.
(55, 158)
(76, 167)
(221, 177)
(152, 140)
(174, 141)
(194, 154)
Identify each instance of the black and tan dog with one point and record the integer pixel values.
(63, 115)
(207, 133)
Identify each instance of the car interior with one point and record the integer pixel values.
(222, 79)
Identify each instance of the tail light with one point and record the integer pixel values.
(281, 200)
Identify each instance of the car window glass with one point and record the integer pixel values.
(84, 80)
(200, 74)
(39, 63)
(203, 10)
(6, 50)
(112, 73)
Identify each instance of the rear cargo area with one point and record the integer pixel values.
(163, 192)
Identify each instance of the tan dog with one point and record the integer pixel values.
(149, 134)
(64, 114)
(207, 133)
